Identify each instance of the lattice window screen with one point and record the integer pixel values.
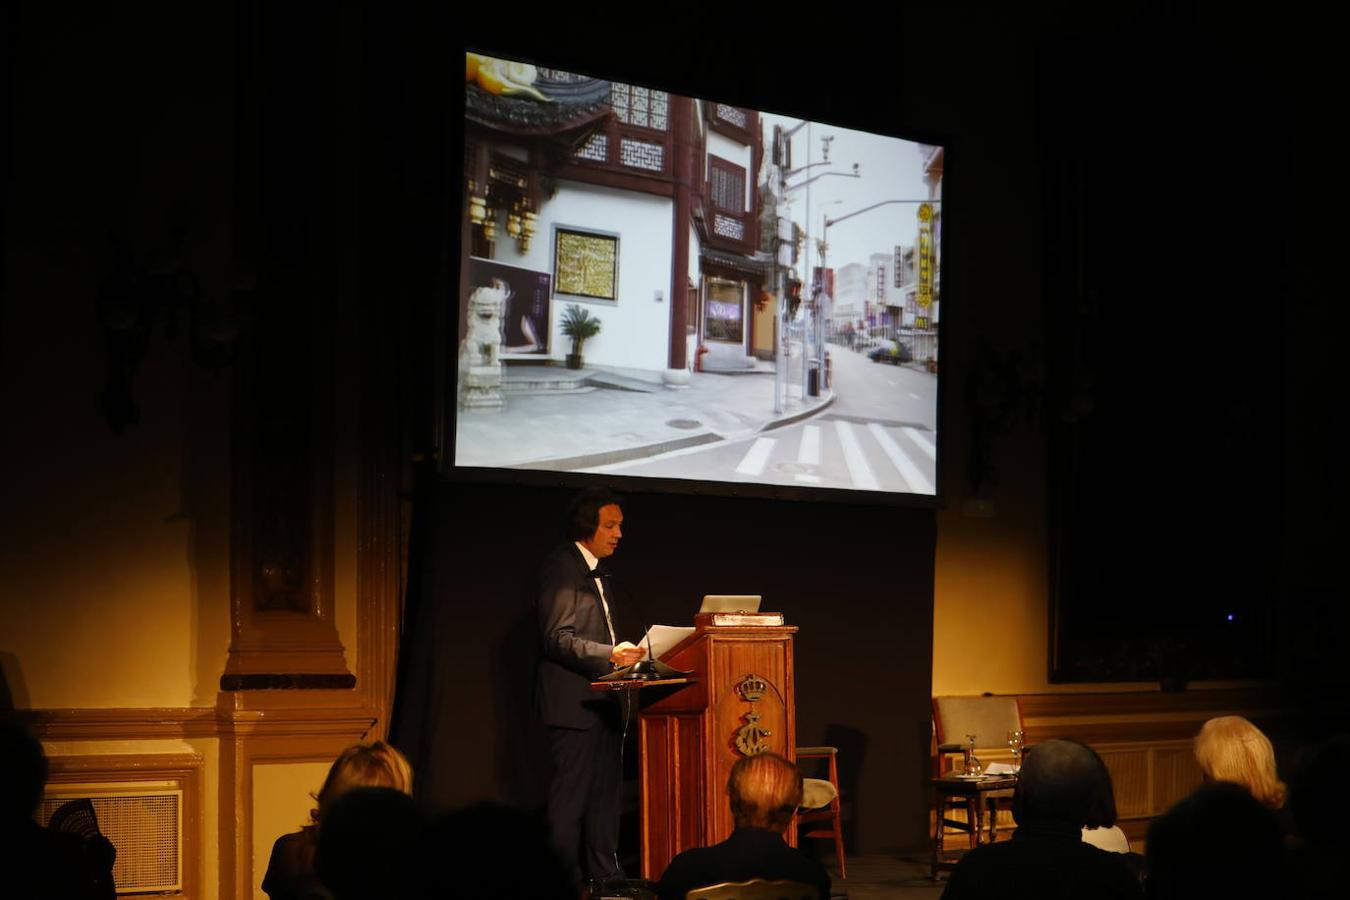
(597, 148)
(146, 829)
(733, 115)
(641, 155)
(639, 106)
(728, 228)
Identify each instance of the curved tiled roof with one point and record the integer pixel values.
(575, 104)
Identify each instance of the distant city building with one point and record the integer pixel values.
(884, 300)
(850, 298)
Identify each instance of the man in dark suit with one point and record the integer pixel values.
(765, 791)
(585, 728)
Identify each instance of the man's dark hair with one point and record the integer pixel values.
(1058, 783)
(368, 842)
(1315, 767)
(1102, 812)
(583, 516)
(1218, 842)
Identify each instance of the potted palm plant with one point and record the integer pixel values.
(578, 324)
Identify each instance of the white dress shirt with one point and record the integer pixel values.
(591, 563)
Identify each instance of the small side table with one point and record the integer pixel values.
(978, 796)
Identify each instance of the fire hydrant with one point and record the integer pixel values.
(698, 357)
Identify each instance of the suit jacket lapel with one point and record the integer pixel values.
(588, 586)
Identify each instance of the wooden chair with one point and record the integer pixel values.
(989, 718)
(756, 889)
(828, 813)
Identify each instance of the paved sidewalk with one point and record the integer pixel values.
(586, 425)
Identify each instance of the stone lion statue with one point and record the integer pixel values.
(482, 344)
(480, 367)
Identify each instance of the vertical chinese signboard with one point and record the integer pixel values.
(925, 254)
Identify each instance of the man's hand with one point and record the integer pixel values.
(626, 654)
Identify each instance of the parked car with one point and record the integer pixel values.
(892, 352)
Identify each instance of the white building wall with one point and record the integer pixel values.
(635, 328)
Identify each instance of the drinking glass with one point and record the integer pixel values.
(971, 764)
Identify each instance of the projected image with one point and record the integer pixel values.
(662, 286)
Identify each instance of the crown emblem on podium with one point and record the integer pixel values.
(752, 688)
(752, 738)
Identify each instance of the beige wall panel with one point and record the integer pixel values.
(281, 804)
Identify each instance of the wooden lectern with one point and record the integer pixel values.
(739, 701)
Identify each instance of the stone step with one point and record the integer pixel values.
(550, 380)
(545, 386)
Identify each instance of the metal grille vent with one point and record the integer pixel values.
(146, 829)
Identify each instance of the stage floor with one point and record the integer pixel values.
(885, 876)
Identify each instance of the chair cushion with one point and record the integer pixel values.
(817, 792)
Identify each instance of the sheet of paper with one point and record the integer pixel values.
(665, 637)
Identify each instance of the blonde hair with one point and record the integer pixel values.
(376, 764)
(1230, 748)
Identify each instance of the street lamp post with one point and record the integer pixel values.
(823, 248)
(780, 376)
(825, 228)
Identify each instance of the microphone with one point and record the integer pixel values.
(644, 669)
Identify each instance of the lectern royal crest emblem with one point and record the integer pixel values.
(752, 738)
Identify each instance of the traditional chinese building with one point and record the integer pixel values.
(633, 204)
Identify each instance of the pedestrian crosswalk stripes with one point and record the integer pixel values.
(908, 471)
(754, 460)
(858, 469)
(808, 454)
(921, 441)
(860, 456)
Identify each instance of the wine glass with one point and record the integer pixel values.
(1016, 741)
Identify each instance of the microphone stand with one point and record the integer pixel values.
(648, 669)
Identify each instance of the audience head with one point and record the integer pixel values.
(375, 764)
(1230, 748)
(1060, 784)
(1102, 811)
(492, 850)
(368, 844)
(1217, 842)
(1317, 767)
(24, 768)
(765, 791)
